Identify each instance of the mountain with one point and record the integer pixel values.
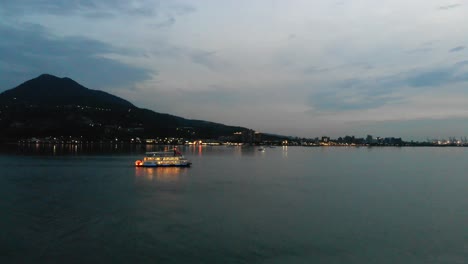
(52, 106)
(49, 90)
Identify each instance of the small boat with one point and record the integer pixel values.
(163, 159)
(262, 149)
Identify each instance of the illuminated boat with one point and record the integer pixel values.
(163, 159)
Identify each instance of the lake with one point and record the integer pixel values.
(82, 204)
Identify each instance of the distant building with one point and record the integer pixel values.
(237, 137)
(257, 137)
(247, 137)
(393, 141)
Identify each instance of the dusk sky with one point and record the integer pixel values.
(300, 68)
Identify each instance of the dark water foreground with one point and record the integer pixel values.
(235, 205)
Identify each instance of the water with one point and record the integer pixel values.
(235, 205)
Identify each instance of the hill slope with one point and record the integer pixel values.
(52, 106)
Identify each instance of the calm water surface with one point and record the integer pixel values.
(235, 205)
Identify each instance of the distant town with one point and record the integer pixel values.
(253, 138)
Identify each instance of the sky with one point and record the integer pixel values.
(299, 68)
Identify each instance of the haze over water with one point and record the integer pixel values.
(235, 205)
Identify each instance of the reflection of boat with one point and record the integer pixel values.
(262, 149)
(163, 159)
(165, 174)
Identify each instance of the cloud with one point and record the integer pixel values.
(419, 50)
(181, 8)
(82, 7)
(338, 101)
(447, 7)
(362, 94)
(456, 49)
(437, 77)
(31, 50)
(425, 77)
(292, 36)
(217, 95)
(99, 15)
(316, 70)
(461, 63)
(98, 9)
(430, 78)
(349, 95)
(424, 47)
(165, 23)
(64, 8)
(207, 59)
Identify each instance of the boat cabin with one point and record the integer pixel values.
(163, 156)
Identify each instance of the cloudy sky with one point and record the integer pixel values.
(302, 68)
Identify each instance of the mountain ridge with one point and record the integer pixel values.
(52, 106)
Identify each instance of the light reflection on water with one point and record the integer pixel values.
(70, 149)
(125, 149)
(164, 174)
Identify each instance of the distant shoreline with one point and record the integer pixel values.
(11, 143)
